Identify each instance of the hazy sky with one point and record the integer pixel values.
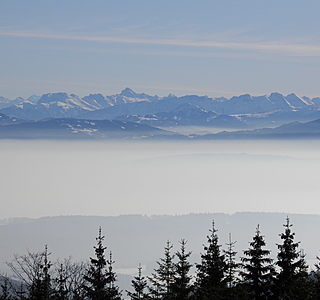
(218, 48)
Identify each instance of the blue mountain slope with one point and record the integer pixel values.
(5, 120)
(67, 128)
(294, 130)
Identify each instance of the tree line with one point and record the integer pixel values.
(219, 275)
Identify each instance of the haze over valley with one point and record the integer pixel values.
(42, 178)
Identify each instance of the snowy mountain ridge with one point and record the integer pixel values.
(170, 110)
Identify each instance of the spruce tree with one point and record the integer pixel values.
(181, 286)
(98, 277)
(258, 268)
(40, 288)
(210, 282)
(61, 292)
(233, 289)
(163, 277)
(139, 285)
(113, 291)
(292, 277)
(315, 274)
(231, 264)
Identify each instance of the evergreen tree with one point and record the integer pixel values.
(210, 283)
(40, 288)
(163, 277)
(61, 292)
(258, 268)
(98, 278)
(139, 284)
(113, 291)
(181, 286)
(292, 277)
(233, 290)
(315, 276)
(231, 264)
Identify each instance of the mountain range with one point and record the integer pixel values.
(73, 116)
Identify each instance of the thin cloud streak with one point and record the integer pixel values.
(275, 47)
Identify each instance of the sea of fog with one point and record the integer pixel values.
(49, 178)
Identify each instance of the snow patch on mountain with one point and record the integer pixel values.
(98, 101)
(296, 101)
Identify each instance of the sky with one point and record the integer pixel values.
(215, 48)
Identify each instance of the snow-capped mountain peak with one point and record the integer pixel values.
(63, 99)
(33, 98)
(127, 92)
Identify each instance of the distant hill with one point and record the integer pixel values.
(68, 128)
(5, 120)
(135, 239)
(130, 128)
(294, 130)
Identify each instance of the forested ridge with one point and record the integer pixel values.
(218, 274)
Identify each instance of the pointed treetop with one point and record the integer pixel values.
(100, 237)
(287, 225)
(258, 229)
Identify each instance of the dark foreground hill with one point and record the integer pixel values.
(135, 239)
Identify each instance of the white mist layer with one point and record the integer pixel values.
(41, 178)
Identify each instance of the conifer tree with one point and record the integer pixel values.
(139, 284)
(99, 279)
(292, 277)
(163, 277)
(315, 294)
(231, 264)
(210, 282)
(181, 286)
(233, 289)
(61, 291)
(258, 268)
(40, 288)
(113, 291)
